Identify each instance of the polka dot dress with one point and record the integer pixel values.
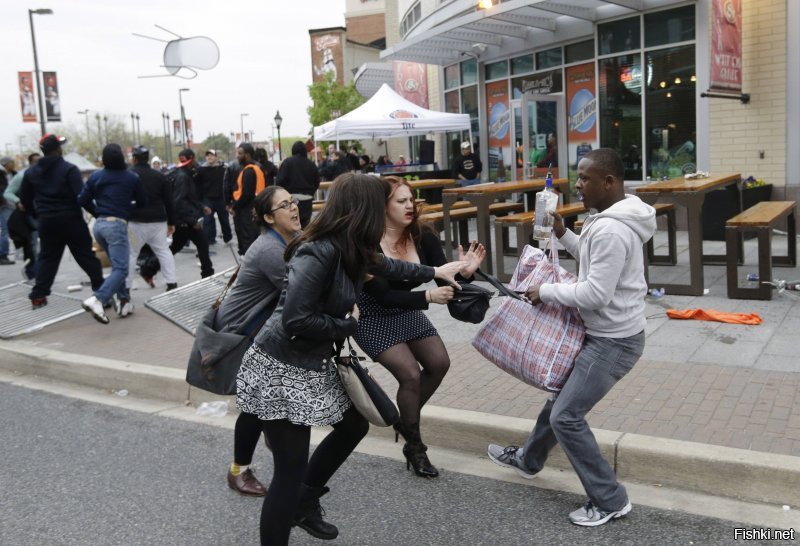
(380, 328)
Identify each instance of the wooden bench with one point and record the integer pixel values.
(460, 217)
(668, 210)
(523, 223)
(437, 207)
(319, 204)
(761, 219)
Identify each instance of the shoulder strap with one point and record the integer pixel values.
(227, 287)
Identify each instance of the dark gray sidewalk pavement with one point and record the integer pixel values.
(721, 384)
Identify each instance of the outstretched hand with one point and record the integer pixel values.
(448, 272)
(474, 258)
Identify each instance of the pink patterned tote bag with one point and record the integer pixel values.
(536, 344)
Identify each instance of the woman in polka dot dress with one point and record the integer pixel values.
(394, 331)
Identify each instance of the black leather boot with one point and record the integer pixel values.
(309, 514)
(415, 452)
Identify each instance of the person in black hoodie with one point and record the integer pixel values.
(210, 181)
(300, 177)
(49, 191)
(108, 196)
(152, 224)
(250, 182)
(188, 211)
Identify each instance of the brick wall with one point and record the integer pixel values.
(738, 132)
(364, 29)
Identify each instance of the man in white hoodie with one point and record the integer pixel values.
(609, 296)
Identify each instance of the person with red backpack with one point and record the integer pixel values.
(250, 182)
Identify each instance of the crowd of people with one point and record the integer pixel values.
(304, 286)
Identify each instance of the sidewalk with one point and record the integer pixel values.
(718, 384)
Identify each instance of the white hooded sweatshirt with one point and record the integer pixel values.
(610, 291)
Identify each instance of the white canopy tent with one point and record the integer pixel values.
(386, 115)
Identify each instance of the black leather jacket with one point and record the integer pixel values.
(317, 295)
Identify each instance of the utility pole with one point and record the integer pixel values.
(183, 117)
(42, 119)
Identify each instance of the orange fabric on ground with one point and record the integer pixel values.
(712, 315)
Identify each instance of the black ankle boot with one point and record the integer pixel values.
(416, 456)
(309, 514)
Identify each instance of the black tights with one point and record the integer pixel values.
(416, 386)
(245, 438)
(290, 446)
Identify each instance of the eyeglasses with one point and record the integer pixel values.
(287, 204)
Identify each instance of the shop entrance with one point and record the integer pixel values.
(540, 132)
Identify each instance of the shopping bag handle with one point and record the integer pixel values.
(503, 289)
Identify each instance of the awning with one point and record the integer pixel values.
(371, 76)
(460, 29)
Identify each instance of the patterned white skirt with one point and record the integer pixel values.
(272, 389)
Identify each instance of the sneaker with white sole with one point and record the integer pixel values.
(589, 515)
(123, 307)
(93, 306)
(509, 457)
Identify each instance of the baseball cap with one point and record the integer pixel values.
(50, 142)
(5, 160)
(465, 145)
(212, 152)
(141, 151)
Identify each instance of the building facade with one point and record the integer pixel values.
(546, 81)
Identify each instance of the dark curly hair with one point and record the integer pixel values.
(263, 204)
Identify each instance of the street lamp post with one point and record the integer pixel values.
(278, 120)
(105, 126)
(241, 125)
(165, 126)
(99, 129)
(138, 129)
(183, 116)
(85, 114)
(133, 130)
(31, 12)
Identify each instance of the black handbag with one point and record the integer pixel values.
(471, 302)
(215, 357)
(367, 396)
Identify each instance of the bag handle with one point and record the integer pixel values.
(225, 290)
(340, 345)
(553, 255)
(501, 288)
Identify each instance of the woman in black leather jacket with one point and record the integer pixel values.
(288, 377)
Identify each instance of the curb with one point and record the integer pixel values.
(715, 470)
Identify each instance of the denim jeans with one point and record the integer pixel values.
(112, 236)
(5, 214)
(464, 183)
(210, 224)
(601, 362)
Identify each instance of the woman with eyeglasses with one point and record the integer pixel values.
(249, 304)
(288, 377)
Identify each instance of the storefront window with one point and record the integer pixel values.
(469, 101)
(522, 65)
(670, 107)
(620, 110)
(582, 51)
(451, 102)
(669, 27)
(548, 58)
(496, 70)
(451, 79)
(617, 36)
(469, 72)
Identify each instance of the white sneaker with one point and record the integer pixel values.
(123, 307)
(93, 306)
(589, 515)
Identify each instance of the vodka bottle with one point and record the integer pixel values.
(546, 202)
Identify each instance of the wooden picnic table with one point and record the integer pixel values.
(415, 184)
(690, 194)
(482, 196)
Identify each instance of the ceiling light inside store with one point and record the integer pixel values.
(662, 85)
(677, 81)
(693, 78)
(669, 95)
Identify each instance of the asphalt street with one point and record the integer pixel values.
(76, 472)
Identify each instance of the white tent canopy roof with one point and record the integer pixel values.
(387, 114)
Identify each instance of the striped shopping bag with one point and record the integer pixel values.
(536, 344)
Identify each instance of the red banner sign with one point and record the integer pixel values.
(26, 97)
(726, 45)
(411, 82)
(52, 101)
(499, 114)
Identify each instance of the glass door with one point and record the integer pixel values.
(544, 140)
